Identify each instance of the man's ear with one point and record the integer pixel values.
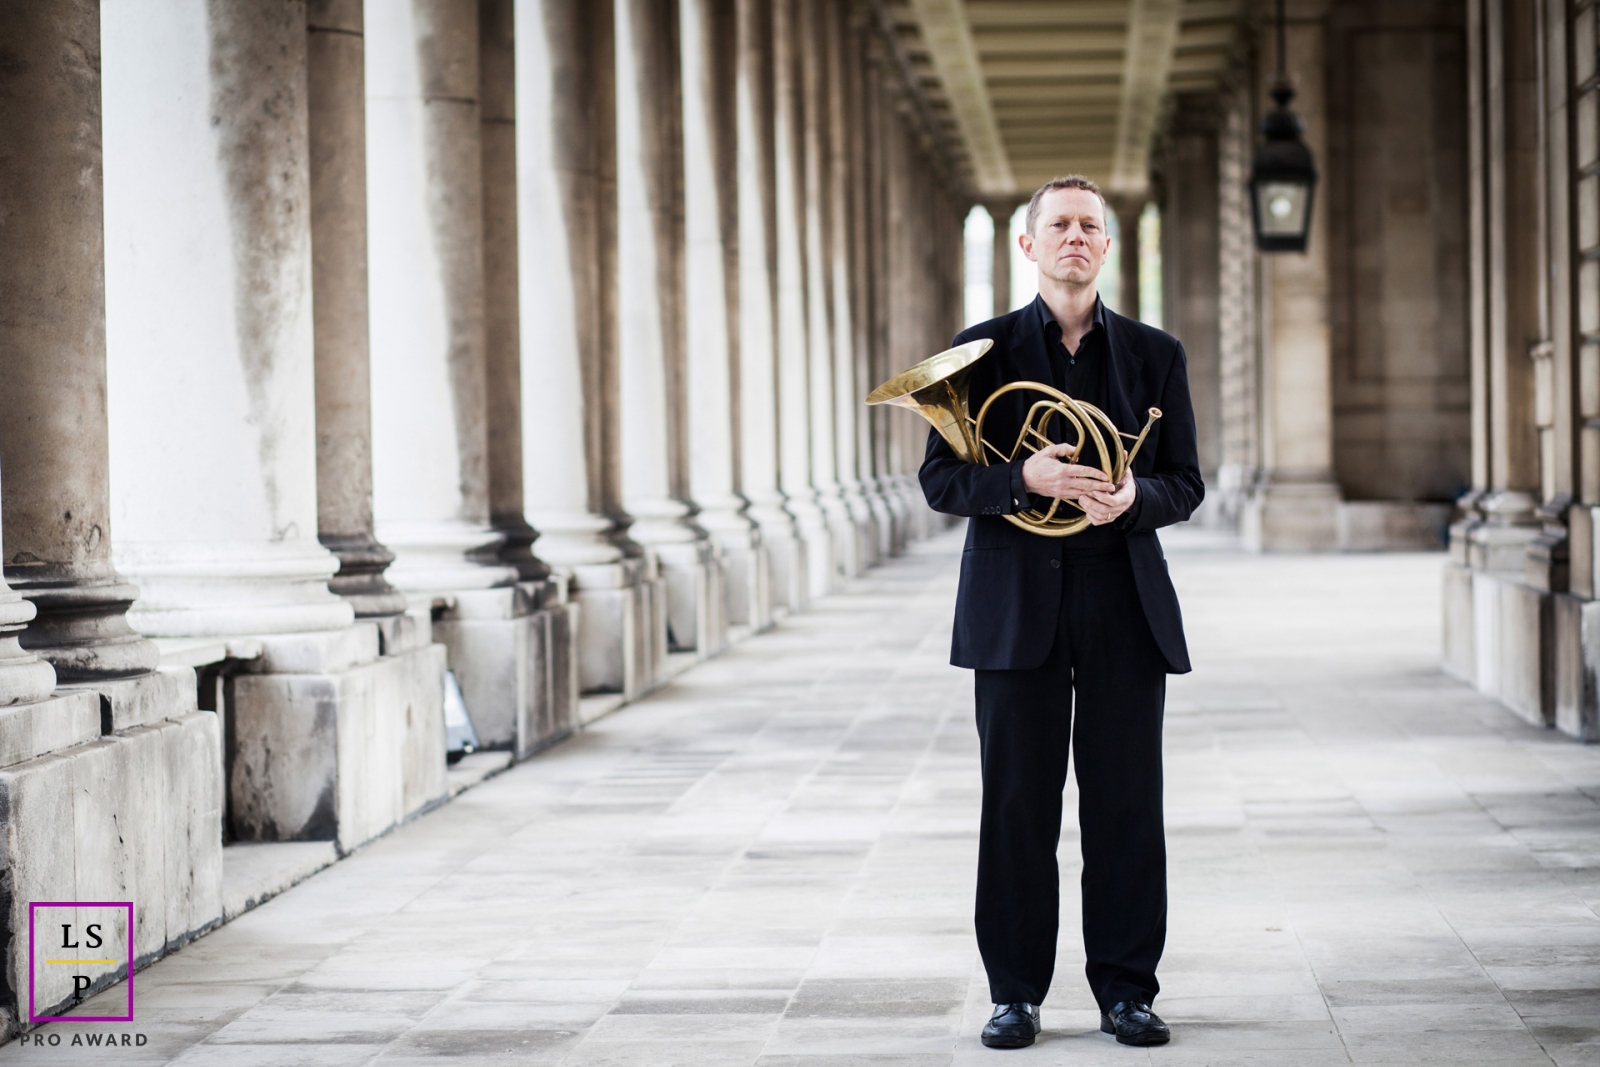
(1025, 242)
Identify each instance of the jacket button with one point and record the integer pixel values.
(1055, 563)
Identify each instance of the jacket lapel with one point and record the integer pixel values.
(1031, 356)
(1124, 383)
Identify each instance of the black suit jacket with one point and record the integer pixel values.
(1010, 595)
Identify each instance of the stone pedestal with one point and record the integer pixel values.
(134, 815)
(1291, 517)
(533, 702)
(1576, 632)
(621, 627)
(329, 741)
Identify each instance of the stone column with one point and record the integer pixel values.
(794, 316)
(209, 313)
(903, 315)
(829, 218)
(1128, 211)
(823, 312)
(759, 423)
(1512, 319)
(879, 282)
(53, 433)
(425, 207)
(549, 684)
(337, 110)
(845, 179)
(565, 158)
(1000, 274)
(114, 784)
(210, 276)
(430, 367)
(1295, 508)
(1190, 231)
(502, 328)
(650, 321)
(709, 41)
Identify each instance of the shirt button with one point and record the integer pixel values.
(1055, 563)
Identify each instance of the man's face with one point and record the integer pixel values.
(1069, 242)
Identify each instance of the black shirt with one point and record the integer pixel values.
(1081, 374)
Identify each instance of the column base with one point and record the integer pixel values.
(1292, 517)
(132, 815)
(747, 574)
(445, 555)
(620, 609)
(511, 652)
(328, 741)
(811, 524)
(82, 628)
(24, 677)
(901, 505)
(883, 519)
(232, 588)
(865, 527)
(360, 579)
(1577, 666)
(1511, 648)
(1392, 526)
(785, 552)
(1460, 653)
(696, 597)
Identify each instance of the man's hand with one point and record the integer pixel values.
(1103, 507)
(1044, 473)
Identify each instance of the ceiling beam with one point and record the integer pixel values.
(1031, 13)
(1152, 36)
(1054, 39)
(1054, 66)
(948, 40)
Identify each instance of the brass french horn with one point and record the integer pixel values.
(936, 389)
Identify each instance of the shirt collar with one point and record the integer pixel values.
(1047, 320)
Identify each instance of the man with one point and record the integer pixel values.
(1091, 620)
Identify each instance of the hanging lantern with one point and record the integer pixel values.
(1283, 177)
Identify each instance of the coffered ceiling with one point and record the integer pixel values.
(1036, 88)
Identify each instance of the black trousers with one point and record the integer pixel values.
(1104, 660)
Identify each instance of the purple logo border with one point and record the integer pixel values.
(128, 1018)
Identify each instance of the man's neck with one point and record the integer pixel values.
(1073, 308)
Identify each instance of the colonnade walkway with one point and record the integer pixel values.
(771, 862)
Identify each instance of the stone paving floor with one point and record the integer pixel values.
(771, 862)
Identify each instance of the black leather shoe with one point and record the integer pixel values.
(1134, 1024)
(1011, 1026)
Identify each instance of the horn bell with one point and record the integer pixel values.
(936, 389)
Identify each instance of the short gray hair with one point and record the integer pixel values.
(1068, 181)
